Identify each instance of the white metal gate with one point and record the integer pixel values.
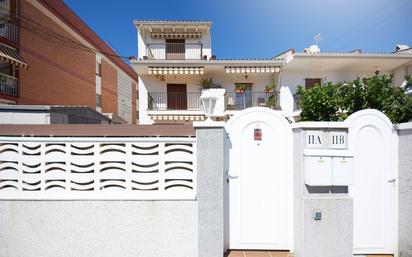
(261, 177)
(374, 143)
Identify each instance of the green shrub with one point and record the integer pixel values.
(335, 102)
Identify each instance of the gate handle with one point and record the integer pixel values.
(392, 180)
(232, 176)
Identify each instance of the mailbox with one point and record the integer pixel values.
(342, 170)
(318, 170)
(328, 167)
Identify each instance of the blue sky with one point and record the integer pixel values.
(260, 28)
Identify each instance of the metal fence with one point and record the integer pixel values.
(9, 31)
(175, 51)
(8, 85)
(161, 101)
(247, 99)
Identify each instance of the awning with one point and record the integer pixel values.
(176, 70)
(176, 35)
(251, 69)
(9, 54)
(193, 117)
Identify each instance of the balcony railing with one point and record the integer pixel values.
(9, 31)
(243, 100)
(162, 101)
(174, 51)
(8, 85)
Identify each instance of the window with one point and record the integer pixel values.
(98, 69)
(309, 83)
(244, 95)
(175, 49)
(98, 100)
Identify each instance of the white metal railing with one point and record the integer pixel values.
(97, 168)
(9, 31)
(174, 51)
(8, 85)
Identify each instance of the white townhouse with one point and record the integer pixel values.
(174, 55)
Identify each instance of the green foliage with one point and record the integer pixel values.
(270, 87)
(240, 87)
(335, 102)
(206, 83)
(272, 101)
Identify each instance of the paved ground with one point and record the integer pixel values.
(259, 254)
(279, 254)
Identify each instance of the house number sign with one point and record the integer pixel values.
(326, 139)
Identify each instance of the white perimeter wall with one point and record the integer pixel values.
(98, 228)
(14, 117)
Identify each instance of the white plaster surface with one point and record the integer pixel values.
(405, 190)
(98, 228)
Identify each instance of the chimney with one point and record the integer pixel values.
(400, 48)
(313, 49)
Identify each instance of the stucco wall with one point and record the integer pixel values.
(98, 228)
(405, 189)
(293, 79)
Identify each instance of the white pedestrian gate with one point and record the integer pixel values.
(374, 143)
(261, 180)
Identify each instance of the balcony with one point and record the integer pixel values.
(190, 101)
(243, 100)
(164, 101)
(8, 85)
(9, 31)
(174, 51)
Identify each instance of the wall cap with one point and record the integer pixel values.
(208, 124)
(404, 126)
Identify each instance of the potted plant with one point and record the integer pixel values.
(240, 88)
(207, 83)
(270, 88)
(212, 88)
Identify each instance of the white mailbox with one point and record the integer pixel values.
(342, 170)
(318, 170)
(328, 167)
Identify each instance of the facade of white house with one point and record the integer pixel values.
(173, 56)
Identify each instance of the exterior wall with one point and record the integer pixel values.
(109, 88)
(125, 97)
(98, 228)
(405, 189)
(50, 78)
(134, 103)
(59, 74)
(293, 79)
(400, 73)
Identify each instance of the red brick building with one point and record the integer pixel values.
(49, 56)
